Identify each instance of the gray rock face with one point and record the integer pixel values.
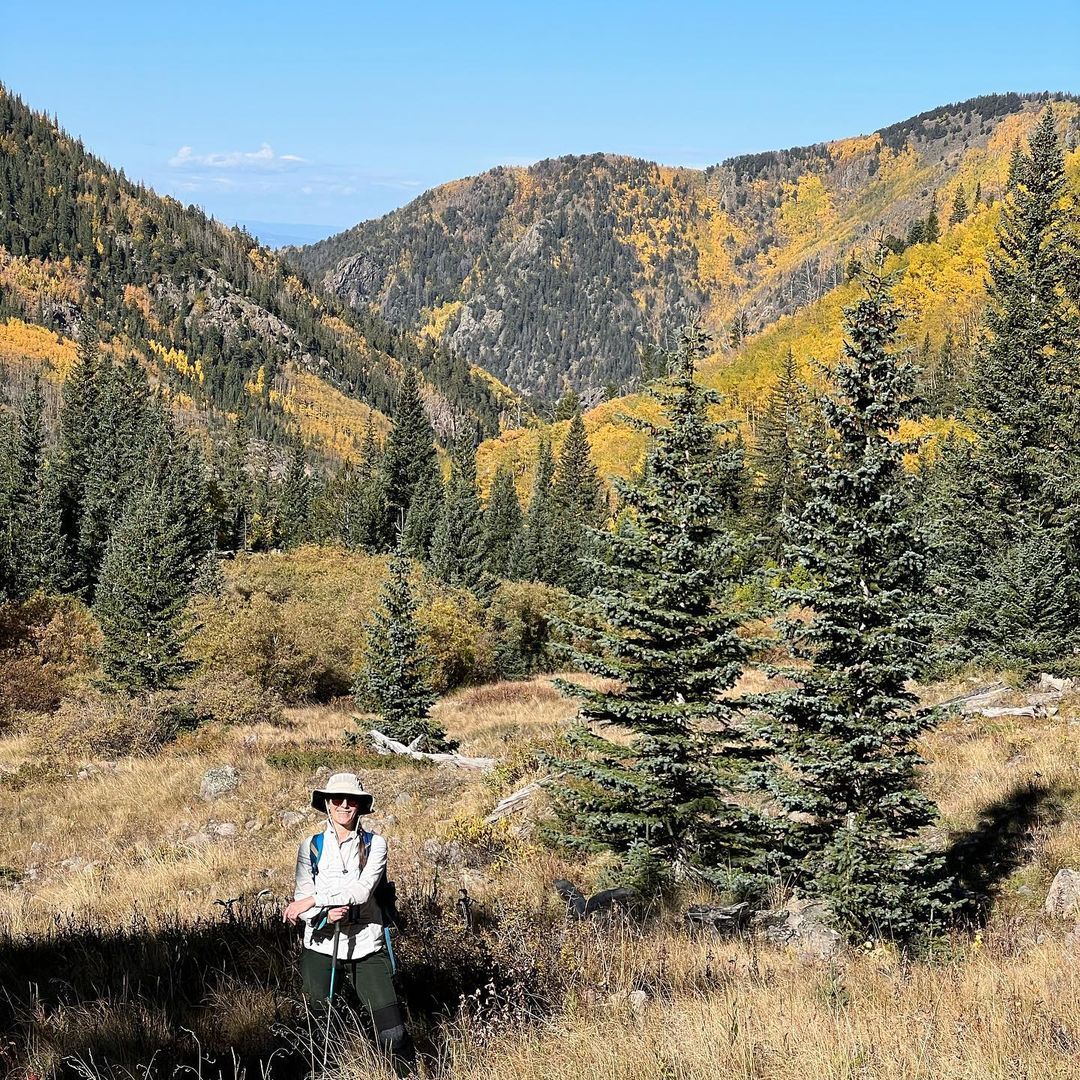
(218, 781)
(802, 924)
(1063, 899)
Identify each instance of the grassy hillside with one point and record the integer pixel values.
(561, 272)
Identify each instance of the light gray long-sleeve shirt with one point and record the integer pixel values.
(340, 881)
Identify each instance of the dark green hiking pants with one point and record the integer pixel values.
(366, 985)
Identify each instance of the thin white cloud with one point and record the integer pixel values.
(263, 158)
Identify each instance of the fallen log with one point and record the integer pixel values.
(1033, 712)
(385, 745)
(516, 801)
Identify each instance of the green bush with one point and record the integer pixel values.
(520, 622)
(309, 759)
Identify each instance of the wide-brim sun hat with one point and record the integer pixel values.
(342, 783)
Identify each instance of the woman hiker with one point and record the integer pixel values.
(337, 871)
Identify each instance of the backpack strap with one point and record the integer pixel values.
(315, 846)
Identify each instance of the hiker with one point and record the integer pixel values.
(345, 951)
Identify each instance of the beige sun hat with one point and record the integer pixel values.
(342, 783)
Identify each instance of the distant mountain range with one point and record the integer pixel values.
(279, 234)
(520, 281)
(560, 274)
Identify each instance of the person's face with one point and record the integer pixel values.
(344, 810)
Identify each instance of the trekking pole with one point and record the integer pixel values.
(330, 1000)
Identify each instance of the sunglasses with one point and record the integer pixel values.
(348, 800)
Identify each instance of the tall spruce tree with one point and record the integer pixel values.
(776, 465)
(145, 583)
(425, 511)
(579, 508)
(660, 624)
(296, 499)
(409, 458)
(77, 447)
(502, 524)
(457, 547)
(533, 558)
(394, 680)
(114, 454)
(845, 733)
(1024, 395)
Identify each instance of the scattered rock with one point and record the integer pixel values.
(443, 853)
(289, 818)
(219, 780)
(76, 865)
(635, 1000)
(199, 839)
(1051, 682)
(222, 828)
(37, 847)
(251, 740)
(253, 825)
(403, 799)
(803, 925)
(1063, 899)
(390, 821)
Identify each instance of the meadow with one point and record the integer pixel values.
(141, 934)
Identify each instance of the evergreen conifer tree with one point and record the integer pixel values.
(296, 500)
(1024, 394)
(960, 207)
(845, 733)
(409, 458)
(145, 583)
(533, 558)
(236, 490)
(425, 511)
(932, 226)
(579, 507)
(394, 680)
(77, 448)
(660, 625)
(779, 485)
(502, 524)
(457, 551)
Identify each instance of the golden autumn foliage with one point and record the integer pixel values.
(24, 344)
(324, 416)
(940, 287)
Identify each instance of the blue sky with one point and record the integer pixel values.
(327, 113)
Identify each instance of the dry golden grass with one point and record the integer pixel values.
(1002, 1004)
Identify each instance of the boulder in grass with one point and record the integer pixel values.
(218, 781)
(1063, 899)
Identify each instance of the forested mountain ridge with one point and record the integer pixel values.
(224, 327)
(939, 281)
(563, 272)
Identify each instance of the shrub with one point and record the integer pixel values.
(232, 699)
(98, 725)
(520, 620)
(48, 647)
(453, 635)
(309, 759)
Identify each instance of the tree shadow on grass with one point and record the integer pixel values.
(980, 859)
(219, 996)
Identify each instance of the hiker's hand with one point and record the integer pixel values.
(297, 908)
(338, 914)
